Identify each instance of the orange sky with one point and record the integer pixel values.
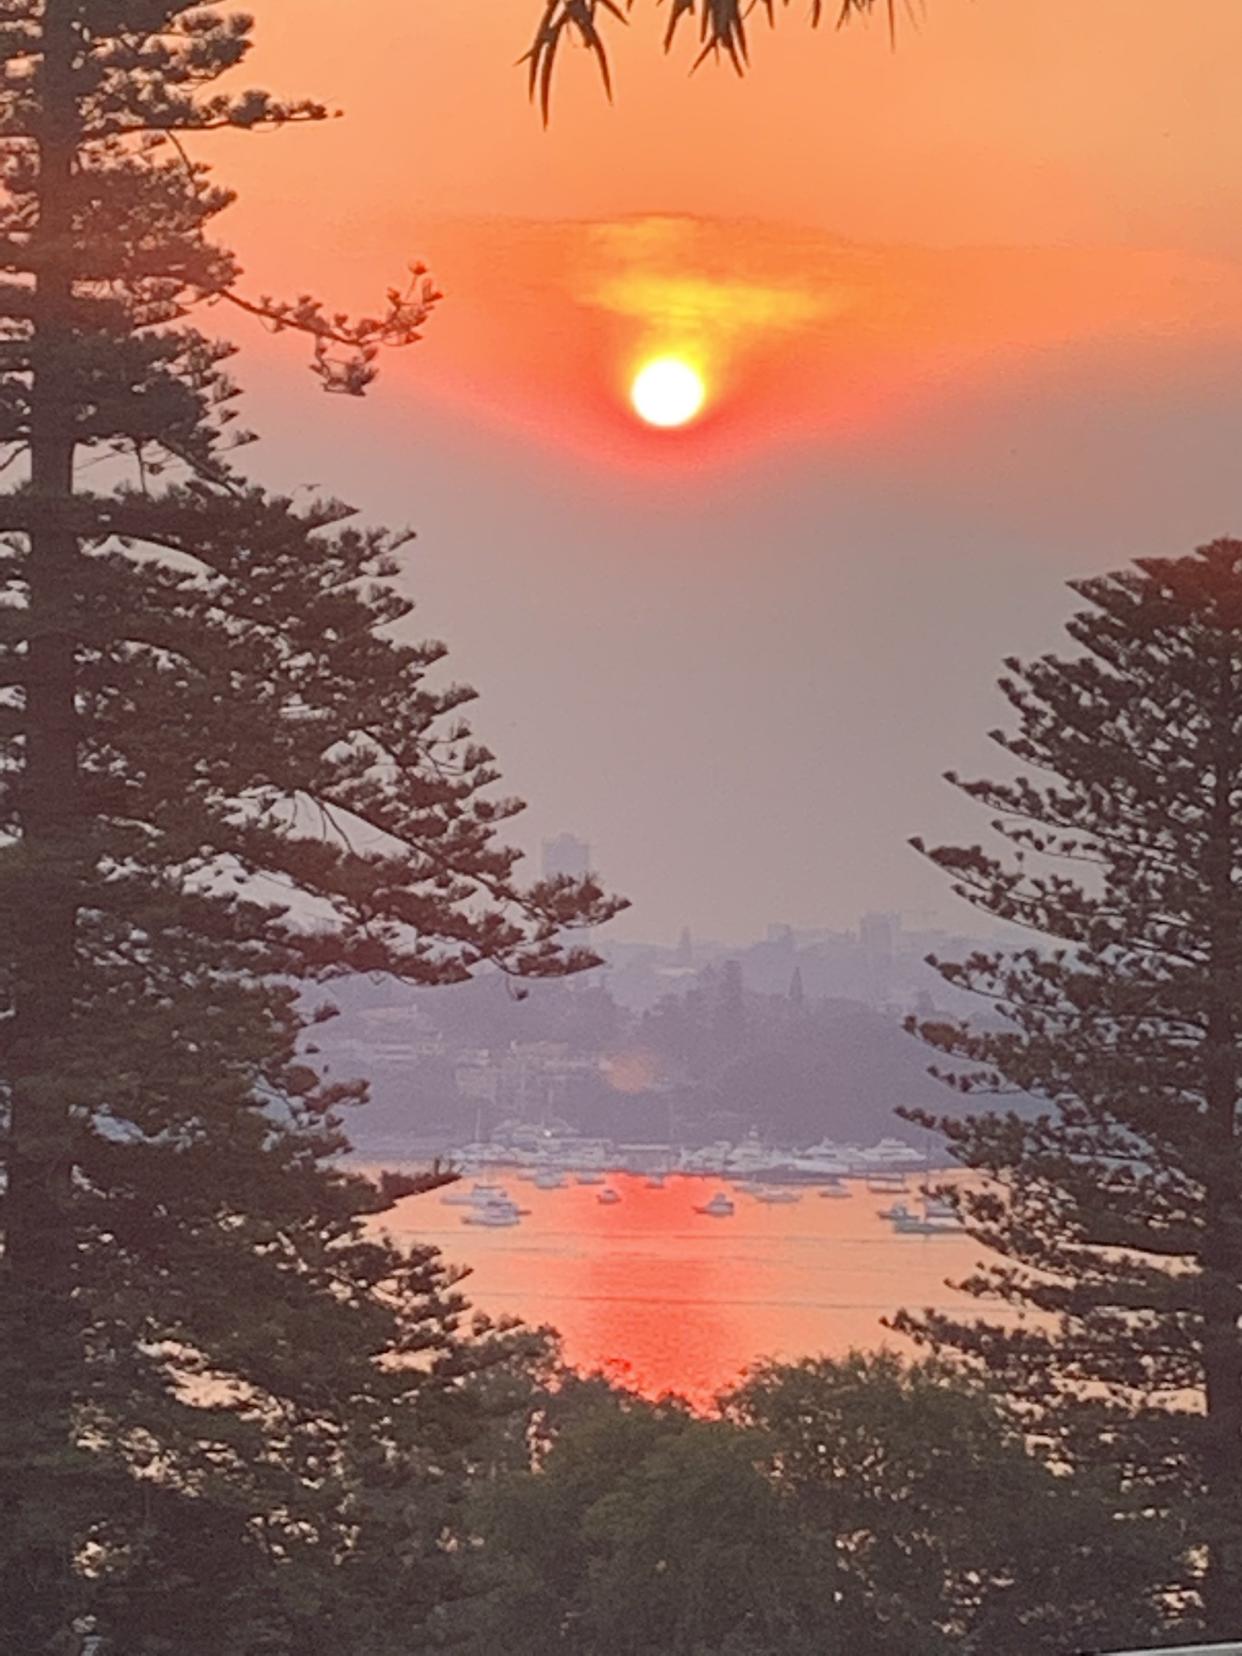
(972, 314)
(826, 235)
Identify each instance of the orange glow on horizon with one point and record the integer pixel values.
(800, 339)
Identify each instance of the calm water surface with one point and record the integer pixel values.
(675, 1300)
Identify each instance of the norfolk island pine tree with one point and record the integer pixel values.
(203, 701)
(1111, 1208)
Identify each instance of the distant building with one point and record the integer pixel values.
(567, 856)
(878, 935)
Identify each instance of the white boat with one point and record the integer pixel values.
(751, 1158)
(893, 1152)
(883, 1184)
(935, 1207)
(781, 1196)
(910, 1224)
(477, 1194)
(493, 1218)
(549, 1178)
(821, 1161)
(588, 1178)
(654, 1181)
(710, 1158)
(608, 1196)
(495, 1212)
(834, 1188)
(898, 1212)
(720, 1206)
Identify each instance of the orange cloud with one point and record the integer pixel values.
(801, 337)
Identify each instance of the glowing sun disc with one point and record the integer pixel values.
(667, 392)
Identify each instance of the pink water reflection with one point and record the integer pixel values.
(675, 1300)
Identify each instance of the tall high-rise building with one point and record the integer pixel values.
(878, 933)
(566, 854)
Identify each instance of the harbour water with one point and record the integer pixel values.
(670, 1299)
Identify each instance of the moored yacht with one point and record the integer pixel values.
(912, 1224)
(494, 1215)
(720, 1206)
(893, 1152)
(886, 1184)
(475, 1196)
(608, 1196)
(898, 1212)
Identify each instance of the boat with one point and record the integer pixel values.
(882, 1184)
(898, 1213)
(709, 1158)
(549, 1178)
(720, 1206)
(494, 1211)
(477, 1194)
(910, 1224)
(588, 1178)
(891, 1150)
(751, 1159)
(493, 1216)
(935, 1207)
(782, 1196)
(826, 1160)
(654, 1181)
(834, 1188)
(608, 1196)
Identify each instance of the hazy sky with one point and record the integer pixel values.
(970, 315)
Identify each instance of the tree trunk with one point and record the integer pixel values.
(1222, 1257)
(40, 1321)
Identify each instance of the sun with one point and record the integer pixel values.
(667, 392)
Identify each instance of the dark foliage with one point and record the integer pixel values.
(869, 1505)
(223, 772)
(1112, 1217)
(721, 26)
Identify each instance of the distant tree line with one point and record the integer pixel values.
(711, 1060)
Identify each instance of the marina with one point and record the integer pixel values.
(554, 1154)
